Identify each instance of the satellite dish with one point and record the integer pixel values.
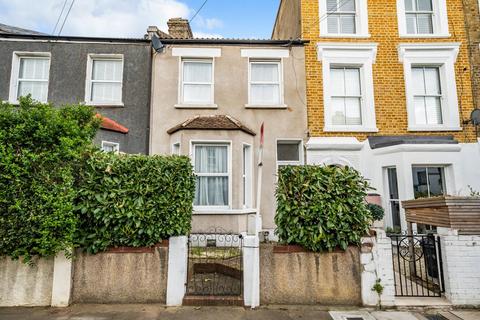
(475, 117)
(157, 44)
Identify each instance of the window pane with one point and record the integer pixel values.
(409, 5)
(338, 111)
(353, 112)
(337, 82)
(433, 110)
(432, 81)
(265, 72)
(435, 181)
(424, 24)
(420, 113)
(424, 5)
(197, 71)
(197, 93)
(420, 183)
(347, 24)
(288, 151)
(392, 183)
(211, 159)
(411, 23)
(418, 81)
(37, 89)
(352, 82)
(346, 5)
(211, 191)
(106, 92)
(34, 68)
(109, 70)
(265, 94)
(331, 5)
(332, 23)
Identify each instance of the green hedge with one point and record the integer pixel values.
(133, 200)
(321, 207)
(40, 148)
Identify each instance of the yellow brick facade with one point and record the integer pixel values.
(388, 78)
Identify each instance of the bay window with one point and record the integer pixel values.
(265, 83)
(211, 164)
(197, 82)
(104, 80)
(428, 182)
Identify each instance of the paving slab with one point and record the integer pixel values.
(467, 315)
(394, 315)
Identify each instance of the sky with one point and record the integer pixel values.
(130, 18)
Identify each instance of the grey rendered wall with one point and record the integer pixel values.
(67, 83)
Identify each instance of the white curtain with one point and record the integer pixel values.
(265, 83)
(106, 81)
(427, 95)
(197, 82)
(346, 96)
(211, 167)
(33, 78)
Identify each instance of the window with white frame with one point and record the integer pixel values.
(265, 82)
(104, 80)
(289, 152)
(247, 176)
(211, 164)
(30, 75)
(349, 104)
(197, 82)
(422, 18)
(108, 146)
(343, 18)
(346, 97)
(427, 95)
(176, 148)
(430, 86)
(428, 181)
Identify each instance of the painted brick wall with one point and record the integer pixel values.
(472, 21)
(461, 261)
(390, 101)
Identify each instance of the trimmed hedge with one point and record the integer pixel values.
(377, 211)
(321, 207)
(40, 151)
(133, 200)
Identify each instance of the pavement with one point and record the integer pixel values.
(157, 312)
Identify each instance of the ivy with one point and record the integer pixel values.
(133, 200)
(40, 151)
(321, 207)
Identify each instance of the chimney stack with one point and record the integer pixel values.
(179, 28)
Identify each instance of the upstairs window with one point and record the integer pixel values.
(341, 16)
(104, 80)
(197, 81)
(30, 74)
(265, 83)
(427, 95)
(419, 16)
(422, 18)
(346, 98)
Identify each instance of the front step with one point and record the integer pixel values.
(191, 300)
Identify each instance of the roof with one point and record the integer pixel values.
(4, 28)
(46, 37)
(212, 122)
(377, 142)
(229, 41)
(110, 125)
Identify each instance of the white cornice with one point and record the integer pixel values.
(353, 49)
(433, 49)
(334, 143)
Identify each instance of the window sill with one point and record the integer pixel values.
(196, 106)
(349, 129)
(259, 106)
(347, 35)
(437, 128)
(213, 211)
(423, 36)
(105, 105)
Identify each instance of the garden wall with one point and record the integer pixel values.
(290, 275)
(25, 285)
(121, 276)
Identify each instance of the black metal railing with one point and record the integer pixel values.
(417, 265)
(215, 264)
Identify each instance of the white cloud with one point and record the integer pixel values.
(207, 23)
(109, 18)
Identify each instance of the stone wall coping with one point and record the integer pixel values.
(162, 244)
(293, 248)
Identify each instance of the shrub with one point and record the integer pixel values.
(321, 207)
(40, 148)
(133, 200)
(377, 211)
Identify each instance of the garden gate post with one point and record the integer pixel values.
(251, 271)
(177, 270)
(62, 280)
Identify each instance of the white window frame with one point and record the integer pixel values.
(116, 145)
(279, 63)
(17, 56)
(440, 21)
(247, 176)
(443, 56)
(222, 143)
(181, 103)
(358, 55)
(361, 21)
(301, 152)
(88, 79)
(423, 166)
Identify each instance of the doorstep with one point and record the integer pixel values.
(191, 300)
(422, 302)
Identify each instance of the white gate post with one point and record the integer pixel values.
(62, 280)
(251, 271)
(177, 270)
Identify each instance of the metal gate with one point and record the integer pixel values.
(417, 265)
(215, 264)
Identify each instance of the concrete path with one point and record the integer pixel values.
(156, 312)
